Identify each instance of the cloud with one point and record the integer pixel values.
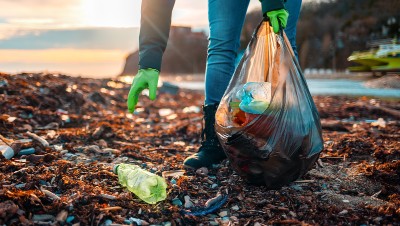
(85, 38)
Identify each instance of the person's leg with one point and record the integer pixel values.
(293, 7)
(226, 18)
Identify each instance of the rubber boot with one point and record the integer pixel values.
(210, 151)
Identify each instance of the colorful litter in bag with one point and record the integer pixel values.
(267, 121)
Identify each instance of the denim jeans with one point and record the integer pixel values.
(226, 18)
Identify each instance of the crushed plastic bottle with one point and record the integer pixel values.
(149, 187)
(255, 97)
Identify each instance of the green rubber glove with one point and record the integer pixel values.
(276, 17)
(144, 79)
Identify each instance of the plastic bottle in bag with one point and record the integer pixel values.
(255, 97)
(149, 187)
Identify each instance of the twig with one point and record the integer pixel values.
(36, 137)
(50, 194)
(111, 208)
(304, 181)
(5, 140)
(107, 196)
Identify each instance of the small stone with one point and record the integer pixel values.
(20, 185)
(188, 203)
(166, 223)
(173, 181)
(223, 213)
(293, 214)
(257, 224)
(177, 202)
(213, 223)
(225, 219)
(378, 219)
(69, 219)
(62, 216)
(345, 200)
(343, 212)
(43, 217)
(235, 207)
(214, 186)
(107, 222)
(202, 171)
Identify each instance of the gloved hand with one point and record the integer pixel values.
(277, 17)
(144, 79)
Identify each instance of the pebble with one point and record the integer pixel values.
(166, 223)
(133, 220)
(223, 213)
(214, 186)
(70, 219)
(235, 207)
(173, 181)
(62, 216)
(293, 214)
(20, 185)
(343, 212)
(188, 203)
(107, 222)
(202, 171)
(345, 200)
(43, 217)
(177, 202)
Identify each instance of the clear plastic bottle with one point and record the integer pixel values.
(149, 187)
(255, 97)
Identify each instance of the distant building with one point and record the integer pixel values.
(186, 53)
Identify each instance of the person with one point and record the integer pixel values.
(226, 18)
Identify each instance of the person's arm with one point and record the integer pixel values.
(271, 5)
(154, 32)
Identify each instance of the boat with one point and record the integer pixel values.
(379, 61)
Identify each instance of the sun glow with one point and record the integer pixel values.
(111, 13)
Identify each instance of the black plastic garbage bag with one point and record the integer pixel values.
(267, 121)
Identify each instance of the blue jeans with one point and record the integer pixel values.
(226, 18)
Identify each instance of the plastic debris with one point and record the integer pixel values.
(173, 173)
(27, 151)
(10, 151)
(147, 186)
(254, 97)
(211, 206)
(380, 123)
(7, 151)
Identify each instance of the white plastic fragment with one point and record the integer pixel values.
(7, 151)
(380, 123)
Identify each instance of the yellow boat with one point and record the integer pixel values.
(384, 59)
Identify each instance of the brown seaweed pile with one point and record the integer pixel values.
(68, 132)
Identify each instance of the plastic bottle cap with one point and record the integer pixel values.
(115, 168)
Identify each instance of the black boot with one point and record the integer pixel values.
(210, 151)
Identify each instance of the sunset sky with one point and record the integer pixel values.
(79, 37)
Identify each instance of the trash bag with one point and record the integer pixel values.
(267, 121)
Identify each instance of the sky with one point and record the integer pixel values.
(79, 37)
